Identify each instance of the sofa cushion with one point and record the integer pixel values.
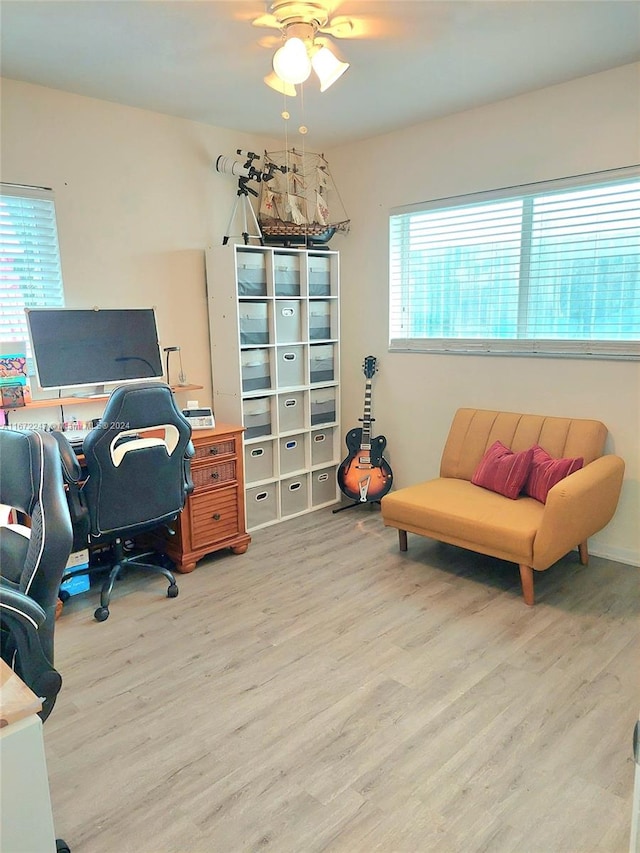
(467, 515)
(546, 472)
(503, 471)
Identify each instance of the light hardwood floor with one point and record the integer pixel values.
(325, 692)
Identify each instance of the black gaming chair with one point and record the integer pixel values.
(32, 558)
(136, 478)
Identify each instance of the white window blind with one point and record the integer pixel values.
(548, 269)
(30, 273)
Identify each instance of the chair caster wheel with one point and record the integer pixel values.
(64, 595)
(101, 614)
(173, 591)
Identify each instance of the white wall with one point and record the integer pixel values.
(137, 202)
(586, 125)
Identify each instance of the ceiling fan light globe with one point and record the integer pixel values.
(272, 80)
(291, 62)
(328, 67)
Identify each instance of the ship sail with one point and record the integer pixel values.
(267, 202)
(295, 209)
(322, 211)
(299, 201)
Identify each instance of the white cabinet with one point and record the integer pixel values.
(25, 804)
(274, 321)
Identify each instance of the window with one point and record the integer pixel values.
(547, 269)
(30, 274)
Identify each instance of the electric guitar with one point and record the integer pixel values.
(365, 475)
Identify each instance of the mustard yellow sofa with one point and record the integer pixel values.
(524, 531)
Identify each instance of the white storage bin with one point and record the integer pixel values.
(252, 274)
(258, 461)
(256, 370)
(319, 276)
(323, 486)
(254, 323)
(262, 505)
(294, 496)
(319, 321)
(286, 275)
(288, 321)
(290, 366)
(321, 364)
(292, 454)
(257, 417)
(323, 406)
(322, 446)
(291, 411)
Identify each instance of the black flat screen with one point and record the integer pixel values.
(79, 347)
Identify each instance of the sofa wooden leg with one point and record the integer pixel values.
(526, 577)
(402, 537)
(584, 553)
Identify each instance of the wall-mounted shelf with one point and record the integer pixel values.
(77, 401)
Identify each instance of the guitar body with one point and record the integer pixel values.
(353, 441)
(363, 480)
(365, 475)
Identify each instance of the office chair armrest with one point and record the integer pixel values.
(73, 477)
(189, 453)
(19, 606)
(20, 618)
(71, 468)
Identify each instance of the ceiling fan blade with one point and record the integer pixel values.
(364, 27)
(270, 42)
(340, 27)
(266, 21)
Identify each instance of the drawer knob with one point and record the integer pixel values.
(215, 475)
(216, 516)
(213, 451)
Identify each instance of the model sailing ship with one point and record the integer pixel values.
(299, 203)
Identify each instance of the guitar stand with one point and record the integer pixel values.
(355, 503)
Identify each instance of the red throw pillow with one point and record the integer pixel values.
(503, 471)
(546, 472)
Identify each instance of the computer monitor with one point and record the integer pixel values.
(77, 347)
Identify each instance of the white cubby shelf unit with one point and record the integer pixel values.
(274, 327)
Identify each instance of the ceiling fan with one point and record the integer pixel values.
(300, 48)
(285, 12)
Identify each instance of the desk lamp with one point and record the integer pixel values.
(182, 379)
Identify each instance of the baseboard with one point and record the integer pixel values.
(620, 555)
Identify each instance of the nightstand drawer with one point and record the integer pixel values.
(225, 447)
(213, 515)
(208, 476)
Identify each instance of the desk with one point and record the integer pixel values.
(213, 517)
(78, 401)
(25, 804)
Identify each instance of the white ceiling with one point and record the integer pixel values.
(410, 60)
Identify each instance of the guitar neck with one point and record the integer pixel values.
(366, 420)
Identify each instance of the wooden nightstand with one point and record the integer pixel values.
(213, 517)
